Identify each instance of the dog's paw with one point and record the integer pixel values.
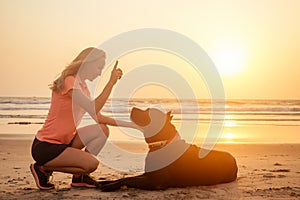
(109, 186)
(112, 187)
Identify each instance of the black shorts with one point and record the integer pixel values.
(43, 152)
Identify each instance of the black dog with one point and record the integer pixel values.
(171, 162)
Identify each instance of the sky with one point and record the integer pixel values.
(255, 44)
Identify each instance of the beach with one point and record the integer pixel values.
(262, 135)
(266, 171)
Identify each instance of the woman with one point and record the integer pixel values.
(58, 145)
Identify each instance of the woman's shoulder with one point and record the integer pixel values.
(73, 80)
(69, 83)
(70, 78)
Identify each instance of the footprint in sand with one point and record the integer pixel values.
(277, 164)
(280, 170)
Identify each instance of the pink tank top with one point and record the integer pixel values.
(60, 125)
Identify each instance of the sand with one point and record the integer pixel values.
(266, 171)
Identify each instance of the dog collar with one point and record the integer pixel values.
(160, 144)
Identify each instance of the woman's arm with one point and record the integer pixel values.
(86, 104)
(113, 122)
(94, 107)
(102, 98)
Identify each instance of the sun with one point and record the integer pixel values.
(229, 59)
(228, 135)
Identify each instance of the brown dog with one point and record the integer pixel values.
(171, 162)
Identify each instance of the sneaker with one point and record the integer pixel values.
(41, 179)
(84, 181)
(49, 174)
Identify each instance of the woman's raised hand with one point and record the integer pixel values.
(116, 74)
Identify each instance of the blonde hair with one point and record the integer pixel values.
(87, 55)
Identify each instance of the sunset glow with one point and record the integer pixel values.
(229, 59)
(228, 136)
(244, 41)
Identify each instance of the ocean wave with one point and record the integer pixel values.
(24, 116)
(249, 111)
(24, 100)
(23, 108)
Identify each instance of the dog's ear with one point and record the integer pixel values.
(169, 116)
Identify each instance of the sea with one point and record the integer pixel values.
(241, 120)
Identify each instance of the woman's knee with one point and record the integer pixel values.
(91, 165)
(104, 129)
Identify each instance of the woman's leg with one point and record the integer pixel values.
(73, 159)
(93, 137)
